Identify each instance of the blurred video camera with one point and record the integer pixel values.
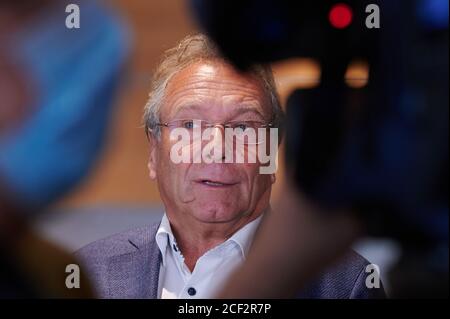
(381, 149)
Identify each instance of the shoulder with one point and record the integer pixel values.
(112, 264)
(345, 279)
(119, 244)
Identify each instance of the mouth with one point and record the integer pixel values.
(216, 184)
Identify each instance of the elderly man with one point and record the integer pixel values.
(212, 208)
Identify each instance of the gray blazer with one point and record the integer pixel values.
(127, 265)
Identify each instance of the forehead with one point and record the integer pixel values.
(214, 89)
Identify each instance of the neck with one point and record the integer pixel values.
(202, 237)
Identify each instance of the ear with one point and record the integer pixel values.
(152, 159)
(273, 178)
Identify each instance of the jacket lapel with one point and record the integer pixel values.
(135, 272)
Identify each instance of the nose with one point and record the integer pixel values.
(217, 143)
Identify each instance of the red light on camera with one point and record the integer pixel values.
(340, 16)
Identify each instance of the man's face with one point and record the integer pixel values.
(217, 192)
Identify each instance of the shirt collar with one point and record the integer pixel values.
(164, 237)
(243, 237)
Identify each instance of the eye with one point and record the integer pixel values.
(242, 126)
(188, 124)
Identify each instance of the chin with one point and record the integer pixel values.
(215, 213)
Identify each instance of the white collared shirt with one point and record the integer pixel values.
(211, 269)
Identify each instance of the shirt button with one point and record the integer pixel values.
(191, 291)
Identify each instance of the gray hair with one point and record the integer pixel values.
(192, 49)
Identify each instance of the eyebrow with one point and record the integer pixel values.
(239, 110)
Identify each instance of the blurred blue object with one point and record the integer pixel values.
(433, 13)
(76, 72)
